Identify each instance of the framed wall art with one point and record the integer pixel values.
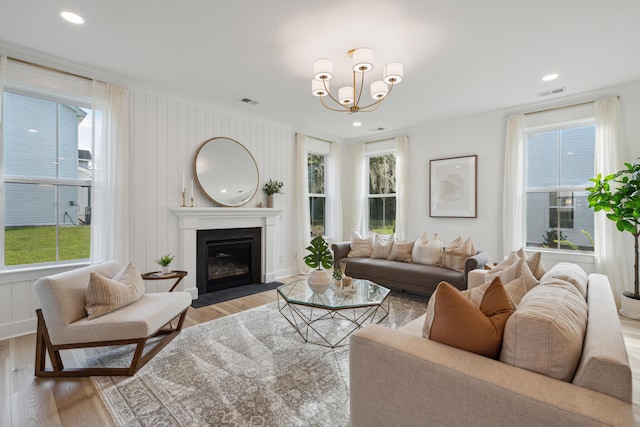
(453, 187)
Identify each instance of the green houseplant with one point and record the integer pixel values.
(164, 262)
(319, 257)
(618, 195)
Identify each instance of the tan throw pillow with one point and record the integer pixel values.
(511, 259)
(568, 272)
(457, 253)
(418, 247)
(401, 251)
(546, 332)
(360, 247)
(430, 253)
(534, 261)
(457, 322)
(516, 290)
(382, 246)
(519, 269)
(105, 295)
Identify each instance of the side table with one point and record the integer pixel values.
(157, 275)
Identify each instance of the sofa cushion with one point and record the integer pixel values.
(516, 290)
(456, 254)
(382, 246)
(429, 252)
(456, 321)
(360, 247)
(105, 295)
(546, 332)
(568, 272)
(401, 251)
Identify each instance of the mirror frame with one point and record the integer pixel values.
(204, 190)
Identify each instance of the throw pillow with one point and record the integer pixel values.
(360, 247)
(519, 269)
(457, 322)
(568, 272)
(456, 254)
(511, 259)
(105, 295)
(534, 261)
(516, 290)
(382, 246)
(430, 253)
(418, 247)
(401, 251)
(546, 332)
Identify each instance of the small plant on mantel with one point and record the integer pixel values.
(273, 187)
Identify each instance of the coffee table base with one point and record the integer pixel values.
(326, 326)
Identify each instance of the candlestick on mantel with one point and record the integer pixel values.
(184, 198)
(192, 195)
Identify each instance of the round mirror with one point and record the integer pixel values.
(226, 172)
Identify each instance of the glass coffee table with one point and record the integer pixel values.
(328, 318)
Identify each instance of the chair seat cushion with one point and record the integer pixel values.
(138, 320)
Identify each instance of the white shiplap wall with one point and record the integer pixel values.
(165, 135)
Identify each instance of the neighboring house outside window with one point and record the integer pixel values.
(46, 179)
(381, 192)
(316, 164)
(559, 163)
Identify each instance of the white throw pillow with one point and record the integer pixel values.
(104, 295)
(382, 246)
(360, 247)
(430, 253)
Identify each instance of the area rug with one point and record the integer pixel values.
(232, 293)
(247, 369)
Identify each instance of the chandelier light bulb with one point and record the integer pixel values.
(379, 90)
(345, 95)
(323, 69)
(362, 60)
(318, 87)
(393, 72)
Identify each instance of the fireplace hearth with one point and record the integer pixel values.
(227, 258)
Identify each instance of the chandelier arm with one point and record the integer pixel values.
(330, 96)
(378, 101)
(332, 109)
(375, 106)
(354, 89)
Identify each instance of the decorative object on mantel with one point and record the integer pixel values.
(272, 187)
(349, 96)
(165, 262)
(618, 195)
(226, 172)
(319, 258)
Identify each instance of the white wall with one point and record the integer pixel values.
(483, 135)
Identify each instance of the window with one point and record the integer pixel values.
(382, 193)
(47, 178)
(559, 163)
(316, 164)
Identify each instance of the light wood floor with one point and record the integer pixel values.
(29, 401)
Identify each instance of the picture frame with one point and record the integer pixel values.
(453, 187)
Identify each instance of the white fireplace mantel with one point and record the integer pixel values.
(190, 220)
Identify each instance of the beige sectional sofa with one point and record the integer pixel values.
(400, 378)
(416, 278)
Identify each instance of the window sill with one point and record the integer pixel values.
(556, 256)
(25, 272)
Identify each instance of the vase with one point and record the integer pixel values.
(270, 201)
(629, 307)
(319, 281)
(166, 269)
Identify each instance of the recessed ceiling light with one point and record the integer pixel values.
(550, 77)
(356, 124)
(33, 130)
(72, 17)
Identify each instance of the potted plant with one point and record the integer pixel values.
(319, 258)
(164, 262)
(618, 195)
(272, 187)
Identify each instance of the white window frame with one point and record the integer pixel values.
(325, 156)
(375, 149)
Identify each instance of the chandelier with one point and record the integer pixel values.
(350, 97)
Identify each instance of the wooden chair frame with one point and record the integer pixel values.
(139, 359)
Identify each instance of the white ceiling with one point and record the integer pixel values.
(460, 56)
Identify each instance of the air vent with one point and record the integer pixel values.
(376, 129)
(248, 101)
(552, 91)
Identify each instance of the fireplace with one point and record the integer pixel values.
(227, 258)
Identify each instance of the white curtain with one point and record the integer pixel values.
(110, 212)
(402, 183)
(359, 221)
(3, 76)
(612, 248)
(513, 186)
(333, 194)
(302, 219)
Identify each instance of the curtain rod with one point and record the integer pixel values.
(45, 67)
(560, 108)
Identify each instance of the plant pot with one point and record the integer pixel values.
(319, 281)
(270, 201)
(166, 269)
(629, 307)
